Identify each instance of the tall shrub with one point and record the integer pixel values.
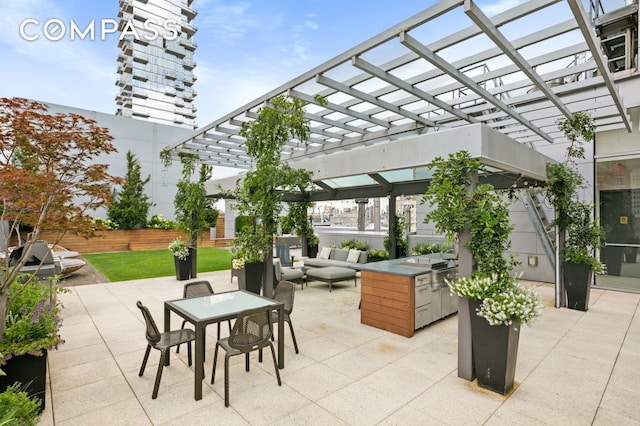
(131, 205)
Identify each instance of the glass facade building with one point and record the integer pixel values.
(155, 63)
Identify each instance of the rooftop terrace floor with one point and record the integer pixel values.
(573, 368)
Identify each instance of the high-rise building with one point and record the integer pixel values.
(155, 64)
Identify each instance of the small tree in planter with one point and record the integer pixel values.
(496, 305)
(49, 182)
(191, 202)
(579, 234)
(298, 216)
(260, 193)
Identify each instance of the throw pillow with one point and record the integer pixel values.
(324, 253)
(353, 257)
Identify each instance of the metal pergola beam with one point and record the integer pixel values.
(434, 59)
(594, 45)
(326, 81)
(491, 31)
(398, 82)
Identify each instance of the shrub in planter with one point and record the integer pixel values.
(501, 306)
(181, 256)
(17, 408)
(580, 235)
(32, 329)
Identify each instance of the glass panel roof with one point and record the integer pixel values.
(349, 181)
(405, 175)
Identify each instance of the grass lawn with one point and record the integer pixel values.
(133, 265)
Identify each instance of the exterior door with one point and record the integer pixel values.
(618, 184)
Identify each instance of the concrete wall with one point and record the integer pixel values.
(146, 140)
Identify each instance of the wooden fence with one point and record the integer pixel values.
(135, 240)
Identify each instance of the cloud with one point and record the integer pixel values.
(227, 23)
(312, 25)
(65, 71)
(492, 9)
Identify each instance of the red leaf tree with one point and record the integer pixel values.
(49, 177)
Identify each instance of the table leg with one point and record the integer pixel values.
(281, 338)
(167, 327)
(199, 364)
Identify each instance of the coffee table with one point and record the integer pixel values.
(331, 274)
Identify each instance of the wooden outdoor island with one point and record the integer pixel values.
(403, 295)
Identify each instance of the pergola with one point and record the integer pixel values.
(446, 79)
(451, 65)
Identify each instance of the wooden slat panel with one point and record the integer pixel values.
(395, 304)
(387, 302)
(384, 325)
(130, 240)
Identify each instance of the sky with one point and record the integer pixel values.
(245, 48)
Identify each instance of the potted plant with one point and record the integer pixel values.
(313, 241)
(49, 181)
(479, 218)
(211, 217)
(402, 244)
(301, 224)
(193, 213)
(260, 193)
(251, 247)
(17, 407)
(32, 329)
(180, 251)
(501, 306)
(579, 234)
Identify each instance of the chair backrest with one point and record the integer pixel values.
(152, 333)
(277, 270)
(284, 293)
(197, 289)
(252, 327)
(282, 253)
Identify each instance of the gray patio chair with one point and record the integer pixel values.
(162, 342)
(198, 289)
(283, 253)
(281, 273)
(284, 293)
(252, 331)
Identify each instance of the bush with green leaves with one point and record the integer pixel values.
(504, 300)
(482, 212)
(179, 248)
(107, 224)
(402, 244)
(426, 248)
(354, 245)
(374, 255)
(33, 319)
(158, 221)
(286, 224)
(211, 216)
(130, 206)
(572, 216)
(17, 409)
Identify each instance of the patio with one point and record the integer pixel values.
(573, 367)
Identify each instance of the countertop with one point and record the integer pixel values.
(395, 267)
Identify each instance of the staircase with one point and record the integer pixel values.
(546, 233)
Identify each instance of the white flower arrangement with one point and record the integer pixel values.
(179, 248)
(237, 263)
(504, 301)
